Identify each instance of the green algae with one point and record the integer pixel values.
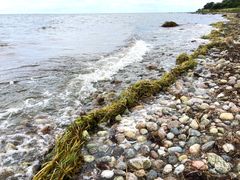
(182, 58)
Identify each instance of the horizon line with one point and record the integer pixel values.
(52, 13)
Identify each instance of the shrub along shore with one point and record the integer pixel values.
(66, 159)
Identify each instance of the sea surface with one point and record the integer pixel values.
(51, 67)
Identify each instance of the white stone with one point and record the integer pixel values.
(167, 169)
(228, 147)
(108, 174)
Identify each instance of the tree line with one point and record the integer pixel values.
(222, 5)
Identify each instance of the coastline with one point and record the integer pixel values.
(71, 162)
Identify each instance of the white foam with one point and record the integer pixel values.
(106, 67)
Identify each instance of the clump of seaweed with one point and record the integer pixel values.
(170, 24)
(182, 58)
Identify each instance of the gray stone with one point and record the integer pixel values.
(182, 137)
(139, 163)
(172, 159)
(121, 165)
(158, 165)
(117, 151)
(238, 167)
(92, 148)
(218, 163)
(208, 146)
(175, 131)
(130, 153)
(161, 133)
(170, 135)
(104, 159)
(193, 132)
(193, 140)
(161, 151)
(152, 126)
(144, 150)
(175, 149)
(103, 148)
(151, 175)
(179, 169)
(119, 172)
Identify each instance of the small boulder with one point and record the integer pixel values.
(170, 24)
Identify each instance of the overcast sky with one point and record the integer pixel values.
(99, 6)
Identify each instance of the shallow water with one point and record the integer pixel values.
(51, 64)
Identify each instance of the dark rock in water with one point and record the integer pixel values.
(238, 15)
(170, 24)
(100, 100)
(3, 44)
(151, 67)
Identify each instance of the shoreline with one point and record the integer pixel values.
(202, 50)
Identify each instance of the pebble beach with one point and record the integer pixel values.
(189, 131)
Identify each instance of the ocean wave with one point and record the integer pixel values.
(108, 66)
